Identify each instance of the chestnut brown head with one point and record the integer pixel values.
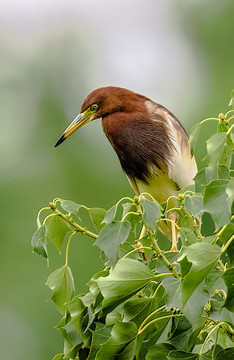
(102, 102)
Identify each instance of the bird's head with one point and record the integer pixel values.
(102, 102)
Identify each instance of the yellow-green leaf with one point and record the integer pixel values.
(127, 278)
(203, 257)
(110, 238)
(56, 229)
(62, 285)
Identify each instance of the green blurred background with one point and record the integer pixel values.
(53, 53)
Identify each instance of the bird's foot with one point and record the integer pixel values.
(174, 248)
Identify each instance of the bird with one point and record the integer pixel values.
(151, 144)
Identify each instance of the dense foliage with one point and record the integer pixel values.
(148, 303)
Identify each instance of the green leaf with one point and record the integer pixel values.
(151, 212)
(128, 277)
(97, 297)
(71, 207)
(97, 215)
(187, 236)
(175, 354)
(56, 229)
(39, 242)
(222, 172)
(231, 102)
(58, 357)
(220, 313)
(180, 332)
(127, 207)
(137, 309)
(228, 277)
(62, 284)
(215, 148)
(186, 219)
(226, 157)
(194, 307)
(80, 318)
(172, 288)
(159, 351)
(203, 177)
(100, 336)
(92, 283)
(110, 215)
(145, 241)
(194, 133)
(206, 356)
(72, 340)
(214, 281)
(230, 253)
(171, 257)
(230, 194)
(77, 310)
(122, 334)
(225, 354)
(133, 218)
(152, 333)
(194, 204)
(195, 304)
(112, 316)
(215, 202)
(185, 265)
(110, 238)
(226, 233)
(203, 257)
(128, 352)
(222, 127)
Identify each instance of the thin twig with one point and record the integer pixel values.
(77, 227)
(161, 255)
(224, 247)
(155, 320)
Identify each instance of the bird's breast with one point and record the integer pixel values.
(139, 142)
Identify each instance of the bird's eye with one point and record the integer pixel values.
(93, 107)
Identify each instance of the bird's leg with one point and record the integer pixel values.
(174, 232)
(143, 232)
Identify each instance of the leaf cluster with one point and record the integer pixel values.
(148, 303)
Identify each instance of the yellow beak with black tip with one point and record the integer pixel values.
(81, 120)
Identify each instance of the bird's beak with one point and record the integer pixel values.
(78, 122)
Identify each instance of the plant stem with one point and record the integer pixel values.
(77, 227)
(164, 274)
(230, 129)
(162, 256)
(222, 230)
(155, 320)
(209, 119)
(137, 249)
(208, 335)
(232, 117)
(39, 213)
(146, 194)
(158, 287)
(224, 247)
(171, 221)
(68, 243)
(130, 213)
(149, 316)
(227, 113)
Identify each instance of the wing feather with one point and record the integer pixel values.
(181, 166)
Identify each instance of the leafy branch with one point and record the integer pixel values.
(149, 303)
